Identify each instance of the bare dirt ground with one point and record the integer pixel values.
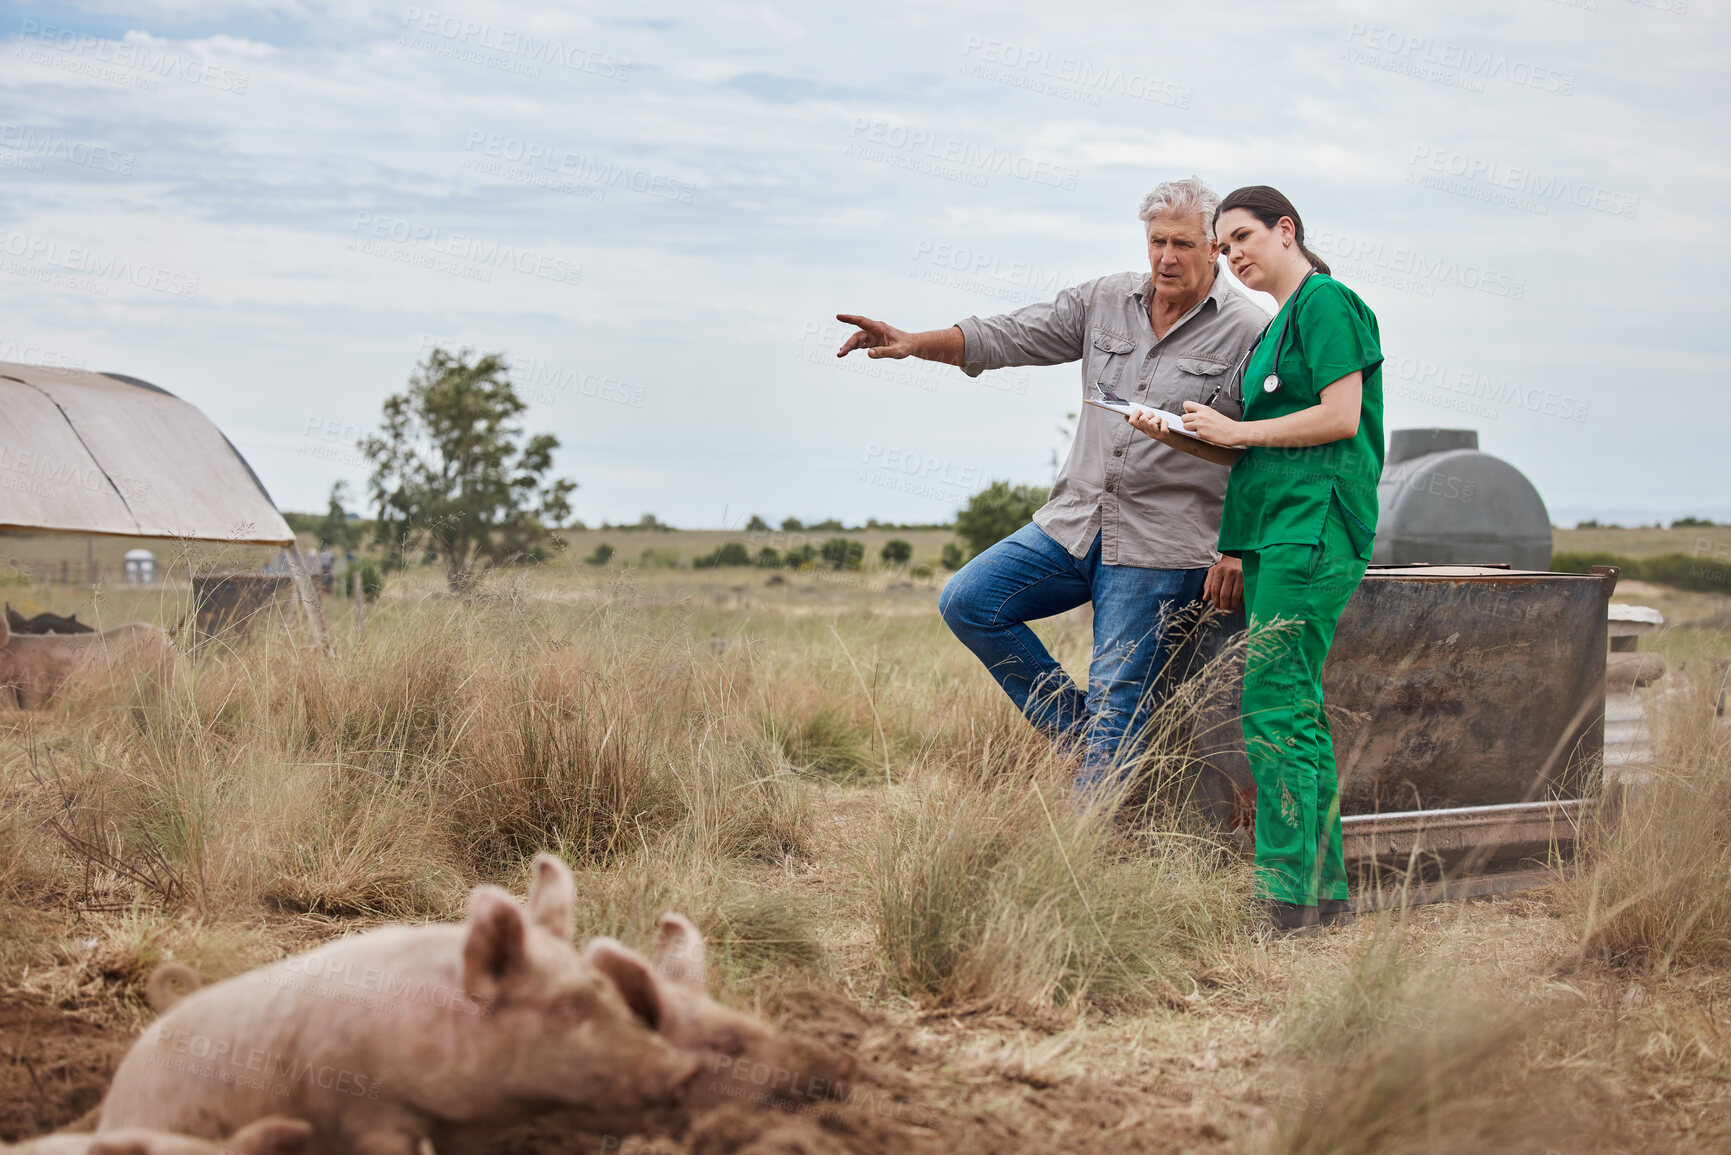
(1200, 1074)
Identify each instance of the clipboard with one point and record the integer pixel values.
(1110, 400)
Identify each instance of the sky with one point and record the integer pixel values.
(276, 208)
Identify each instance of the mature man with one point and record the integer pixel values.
(1132, 522)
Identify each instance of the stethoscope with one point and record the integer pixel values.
(1271, 382)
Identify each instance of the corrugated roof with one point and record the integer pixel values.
(103, 453)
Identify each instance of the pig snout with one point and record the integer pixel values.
(842, 1085)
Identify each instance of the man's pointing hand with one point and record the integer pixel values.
(881, 340)
(876, 338)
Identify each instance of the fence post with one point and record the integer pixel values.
(309, 597)
(359, 592)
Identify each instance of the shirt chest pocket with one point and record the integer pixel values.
(1111, 356)
(1200, 378)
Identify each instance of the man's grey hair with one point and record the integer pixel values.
(1182, 196)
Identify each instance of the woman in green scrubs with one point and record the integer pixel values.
(1300, 512)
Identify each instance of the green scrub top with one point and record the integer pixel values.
(1281, 496)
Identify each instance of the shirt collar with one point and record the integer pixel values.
(1216, 292)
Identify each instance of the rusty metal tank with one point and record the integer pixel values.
(1465, 698)
(1444, 501)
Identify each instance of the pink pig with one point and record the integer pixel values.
(745, 1059)
(401, 1035)
(269, 1136)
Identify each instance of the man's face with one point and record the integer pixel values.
(1181, 256)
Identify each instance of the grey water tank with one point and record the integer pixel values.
(1445, 502)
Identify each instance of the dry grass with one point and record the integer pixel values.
(1653, 890)
(843, 801)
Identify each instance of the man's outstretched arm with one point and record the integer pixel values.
(881, 340)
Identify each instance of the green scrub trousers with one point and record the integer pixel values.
(1294, 595)
(1303, 519)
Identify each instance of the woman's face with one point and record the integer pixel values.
(1252, 249)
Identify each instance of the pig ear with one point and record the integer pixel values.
(551, 896)
(497, 944)
(679, 952)
(636, 982)
(272, 1136)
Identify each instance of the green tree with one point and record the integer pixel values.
(768, 558)
(756, 525)
(996, 512)
(454, 475)
(335, 529)
(728, 553)
(791, 525)
(602, 555)
(842, 553)
(896, 552)
(951, 557)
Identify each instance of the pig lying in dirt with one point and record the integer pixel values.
(401, 1035)
(745, 1059)
(269, 1136)
(33, 666)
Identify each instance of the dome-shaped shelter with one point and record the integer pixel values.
(103, 453)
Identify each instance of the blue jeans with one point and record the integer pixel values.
(1028, 576)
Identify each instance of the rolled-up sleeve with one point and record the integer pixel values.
(1048, 333)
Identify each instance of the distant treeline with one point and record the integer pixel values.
(362, 528)
(1703, 573)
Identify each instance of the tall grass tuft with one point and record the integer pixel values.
(1394, 1056)
(1652, 888)
(381, 780)
(1015, 894)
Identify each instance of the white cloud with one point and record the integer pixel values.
(708, 170)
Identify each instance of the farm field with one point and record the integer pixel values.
(882, 856)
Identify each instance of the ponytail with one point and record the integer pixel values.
(1268, 205)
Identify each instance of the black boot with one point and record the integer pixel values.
(1333, 910)
(1288, 916)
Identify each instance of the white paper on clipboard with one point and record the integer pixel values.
(1117, 404)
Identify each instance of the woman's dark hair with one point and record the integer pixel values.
(1268, 205)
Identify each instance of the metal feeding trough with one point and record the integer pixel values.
(1465, 701)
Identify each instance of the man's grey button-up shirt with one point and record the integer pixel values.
(1152, 506)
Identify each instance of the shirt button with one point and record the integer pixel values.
(1117, 453)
